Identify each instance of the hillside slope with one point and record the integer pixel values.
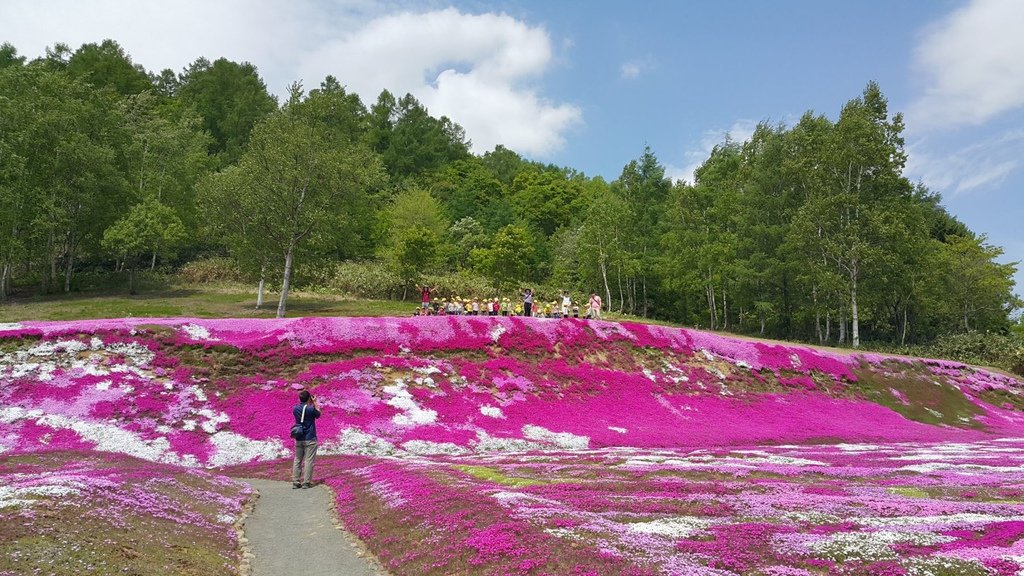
(218, 392)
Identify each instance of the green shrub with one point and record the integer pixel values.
(371, 280)
(1005, 351)
(210, 271)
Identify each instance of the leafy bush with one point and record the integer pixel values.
(1005, 351)
(210, 270)
(361, 279)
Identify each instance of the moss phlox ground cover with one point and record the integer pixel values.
(524, 446)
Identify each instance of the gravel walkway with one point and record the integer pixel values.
(293, 532)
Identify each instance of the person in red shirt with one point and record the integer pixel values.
(425, 297)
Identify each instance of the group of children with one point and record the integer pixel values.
(496, 307)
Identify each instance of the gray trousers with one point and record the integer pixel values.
(305, 455)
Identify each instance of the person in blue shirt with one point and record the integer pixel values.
(305, 413)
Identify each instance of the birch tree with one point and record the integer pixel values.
(296, 185)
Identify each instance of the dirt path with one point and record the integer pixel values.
(293, 532)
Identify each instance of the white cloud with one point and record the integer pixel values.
(974, 64)
(475, 69)
(629, 71)
(483, 71)
(979, 165)
(740, 131)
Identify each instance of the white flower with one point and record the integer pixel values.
(427, 448)
(679, 527)
(196, 332)
(492, 411)
(564, 440)
(617, 429)
(231, 448)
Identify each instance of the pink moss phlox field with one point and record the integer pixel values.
(59, 508)
(447, 385)
(526, 446)
(859, 509)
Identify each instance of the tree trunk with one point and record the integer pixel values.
(152, 263)
(286, 284)
(817, 315)
(259, 291)
(842, 329)
(828, 326)
(725, 309)
(4, 275)
(604, 276)
(131, 281)
(67, 271)
(903, 337)
(855, 318)
(622, 301)
(645, 296)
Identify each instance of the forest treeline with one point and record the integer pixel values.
(808, 232)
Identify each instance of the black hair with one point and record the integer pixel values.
(304, 396)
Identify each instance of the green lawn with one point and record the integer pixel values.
(192, 301)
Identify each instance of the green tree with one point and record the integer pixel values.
(410, 140)
(107, 65)
(415, 226)
(230, 98)
(165, 156)
(9, 56)
(64, 139)
(511, 258)
(850, 219)
(979, 288)
(295, 185)
(148, 228)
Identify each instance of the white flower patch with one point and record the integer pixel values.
(564, 440)
(487, 443)
(617, 429)
(212, 419)
(412, 413)
(196, 332)
(427, 370)
(743, 364)
(759, 457)
(858, 448)
(354, 441)
(428, 448)
(678, 527)
(137, 353)
(707, 355)
(112, 438)
(103, 385)
(650, 375)
(950, 520)
(27, 496)
(497, 331)
(198, 393)
(492, 411)
(10, 326)
(231, 448)
(930, 566)
(189, 425)
(873, 545)
(967, 469)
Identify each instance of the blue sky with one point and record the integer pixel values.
(588, 84)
